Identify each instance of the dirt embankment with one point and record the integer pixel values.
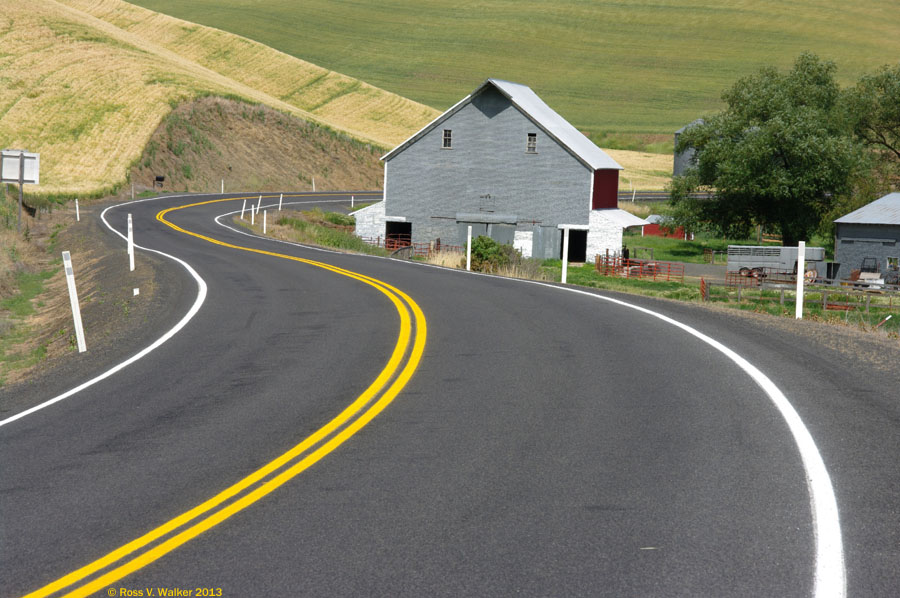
(253, 148)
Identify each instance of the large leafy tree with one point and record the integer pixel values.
(778, 156)
(873, 109)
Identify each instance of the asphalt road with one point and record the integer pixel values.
(545, 443)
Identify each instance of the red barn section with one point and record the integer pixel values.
(606, 190)
(656, 230)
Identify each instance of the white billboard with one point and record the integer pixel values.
(10, 164)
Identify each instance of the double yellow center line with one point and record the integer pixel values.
(167, 537)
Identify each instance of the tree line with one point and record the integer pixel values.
(791, 152)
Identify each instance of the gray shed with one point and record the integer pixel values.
(684, 160)
(868, 239)
(503, 162)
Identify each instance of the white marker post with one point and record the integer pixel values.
(264, 221)
(73, 299)
(469, 249)
(243, 207)
(130, 245)
(565, 256)
(223, 187)
(280, 198)
(801, 270)
(252, 216)
(352, 201)
(77, 213)
(314, 184)
(258, 204)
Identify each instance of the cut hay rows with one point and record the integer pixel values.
(361, 109)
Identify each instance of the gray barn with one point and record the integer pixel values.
(505, 163)
(870, 237)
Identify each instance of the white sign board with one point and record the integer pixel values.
(9, 167)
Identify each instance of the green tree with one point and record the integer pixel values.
(873, 106)
(778, 156)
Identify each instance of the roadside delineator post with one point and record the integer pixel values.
(258, 204)
(264, 221)
(801, 271)
(252, 216)
(469, 249)
(280, 197)
(352, 201)
(243, 207)
(223, 187)
(73, 300)
(130, 245)
(77, 213)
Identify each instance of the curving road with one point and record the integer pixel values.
(340, 425)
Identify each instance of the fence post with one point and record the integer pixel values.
(130, 246)
(801, 270)
(469, 249)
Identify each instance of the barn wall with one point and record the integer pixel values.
(606, 189)
(370, 221)
(488, 171)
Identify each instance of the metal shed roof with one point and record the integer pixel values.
(885, 210)
(621, 217)
(528, 102)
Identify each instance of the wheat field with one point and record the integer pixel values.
(86, 82)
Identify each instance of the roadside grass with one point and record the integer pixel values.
(13, 331)
(315, 227)
(616, 70)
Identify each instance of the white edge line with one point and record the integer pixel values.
(830, 574)
(198, 302)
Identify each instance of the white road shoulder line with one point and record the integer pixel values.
(198, 302)
(830, 574)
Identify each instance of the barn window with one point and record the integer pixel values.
(531, 144)
(448, 139)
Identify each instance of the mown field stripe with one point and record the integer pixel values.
(366, 397)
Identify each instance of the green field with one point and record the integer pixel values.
(637, 67)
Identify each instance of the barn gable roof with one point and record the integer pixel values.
(533, 107)
(885, 210)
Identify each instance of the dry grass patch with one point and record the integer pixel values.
(643, 171)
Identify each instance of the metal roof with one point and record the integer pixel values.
(622, 218)
(528, 102)
(885, 210)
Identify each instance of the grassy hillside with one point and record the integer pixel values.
(87, 93)
(253, 148)
(643, 66)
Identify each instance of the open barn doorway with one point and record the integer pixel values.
(399, 233)
(577, 245)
